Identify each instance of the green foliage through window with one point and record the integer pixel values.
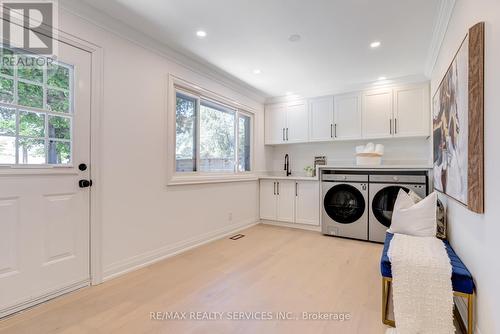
(31, 132)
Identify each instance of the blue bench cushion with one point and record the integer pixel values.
(461, 278)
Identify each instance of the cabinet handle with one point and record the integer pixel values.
(395, 126)
(390, 126)
(335, 130)
(331, 130)
(274, 188)
(286, 134)
(296, 189)
(278, 188)
(283, 134)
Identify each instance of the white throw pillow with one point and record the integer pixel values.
(416, 219)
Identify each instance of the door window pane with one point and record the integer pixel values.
(58, 76)
(6, 62)
(31, 151)
(59, 152)
(6, 90)
(57, 100)
(7, 150)
(7, 121)
(185, 134)
(59, 127)
(28, 69)
(30, 95)
(244, 143)
(217, 138)
(31, 124)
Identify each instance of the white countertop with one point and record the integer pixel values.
(276, 176)
(342, 166)
(376, 167)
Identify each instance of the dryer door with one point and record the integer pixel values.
(383, 203)
(344, 204)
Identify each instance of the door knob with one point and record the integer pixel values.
(85, 183)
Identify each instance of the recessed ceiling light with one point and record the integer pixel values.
(288, 93)
(257, 71)
(382, 78)
(294, 38)
(201, 34)
(375, 44)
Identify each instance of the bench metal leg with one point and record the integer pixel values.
(386, 286)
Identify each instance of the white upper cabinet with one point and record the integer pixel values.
(321, 119)
(377, 110)
(275, 123)
(389, 112)
(297, 130)
(411, 111)
(287, 123)
(347, 119)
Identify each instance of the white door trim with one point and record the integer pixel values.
(96, 108)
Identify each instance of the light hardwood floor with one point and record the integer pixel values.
(271, 269)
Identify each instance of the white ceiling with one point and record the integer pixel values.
(333, 53)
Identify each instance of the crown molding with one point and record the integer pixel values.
(190, 62)
(440, 27)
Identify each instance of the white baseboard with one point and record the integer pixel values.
(292, 225)
(142, 260)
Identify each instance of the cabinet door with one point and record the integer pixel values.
(286, 201)
(268, 199)
(412, 111)
(347, 116)
(297, 123)
(321, 119)
(307, 203)
(275, 123)
(377, 114)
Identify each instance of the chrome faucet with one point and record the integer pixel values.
(287, 165)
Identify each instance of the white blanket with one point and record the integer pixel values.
(422, 290)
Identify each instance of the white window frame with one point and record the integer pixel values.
(175, 85)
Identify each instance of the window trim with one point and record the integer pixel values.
(176, 84)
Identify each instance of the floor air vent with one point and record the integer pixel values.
(237, 236)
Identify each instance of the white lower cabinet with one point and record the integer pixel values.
(290, 201)
(307, 203)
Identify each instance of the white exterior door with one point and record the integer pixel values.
(377, 114)
(286, 201)
(44, 214)
(321, 119)
(275, 123)
(307, 203)
(412, 111)
(297, 123)
(347, 116)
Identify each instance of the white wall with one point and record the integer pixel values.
(397, 151)
(142, 219)
(476, 237)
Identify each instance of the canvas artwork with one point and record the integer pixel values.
(450, 124)
(458, 124)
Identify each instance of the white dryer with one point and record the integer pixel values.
(384, 189)
(345, 205)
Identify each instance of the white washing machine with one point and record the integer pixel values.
(384, 189)
(345, 205)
